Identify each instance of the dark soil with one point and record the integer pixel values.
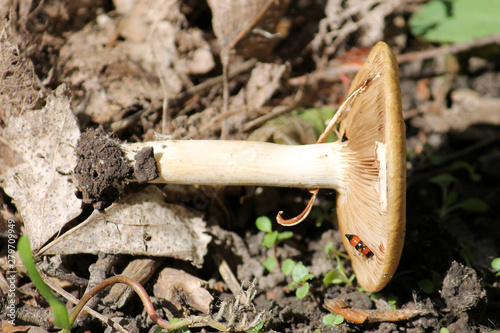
(445, 269)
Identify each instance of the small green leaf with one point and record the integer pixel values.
(287, 266)
(285, 235)
(427, 286)
(331, 319)
(332, 277)
(444, 330)
(270, 239)
(452, 198)
(308, 277)
(263, 223)
(496, 264)
(454, 21)
(270, 263)
(316, 331)
(257, 327)
(436, 278)
(318, 117)
(329, 248)
(299, 272)
(474, 205)
(443, 180)
(301, 292)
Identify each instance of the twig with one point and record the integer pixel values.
(241, 68)
(428, 171)
(229, 278)
(276, 111)
(455, 48)
(50, 270)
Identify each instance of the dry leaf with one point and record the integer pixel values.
(16, 86)
(232, 17)
(140, 224)
(41, 186)
(179, 287)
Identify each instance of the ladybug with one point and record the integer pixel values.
(358, 245)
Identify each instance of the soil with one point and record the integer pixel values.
(102, 53)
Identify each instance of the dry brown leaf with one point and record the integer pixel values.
(179, 287)
(16, 86)
(232, 17)
(140, 224)
(41, 186)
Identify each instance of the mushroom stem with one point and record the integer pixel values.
(212, 162)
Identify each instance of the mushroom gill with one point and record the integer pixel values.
(372, 204)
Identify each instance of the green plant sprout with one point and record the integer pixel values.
(495, 264)
(471, 169)
(300, 276)
(430, 286)
(61, 318)
(450, 196)
(257, 327)
(271, 238)
(331, 319)
(337, 275)
(389, 298)
(466, 253)
(322, 213)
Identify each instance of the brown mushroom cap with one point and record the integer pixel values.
(372, 206)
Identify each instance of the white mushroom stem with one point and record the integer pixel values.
(211, 162)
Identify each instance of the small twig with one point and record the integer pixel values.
(98, 272)
(50, 270)
(277, 111)
(428, 171)
(454, 48)
(237, 70)
(331, 125)
(228, 277)
(140, 270)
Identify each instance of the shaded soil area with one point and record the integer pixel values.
(141, 71)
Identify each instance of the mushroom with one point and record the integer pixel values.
(366, 166)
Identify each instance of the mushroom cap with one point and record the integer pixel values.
(372, 205)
